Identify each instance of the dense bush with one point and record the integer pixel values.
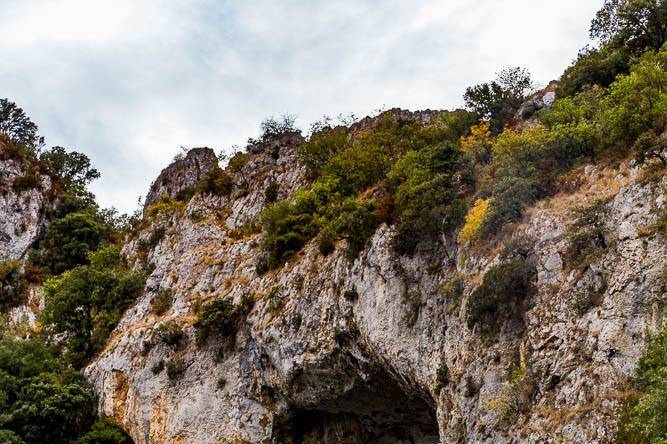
(593, 67)
(221, 317)
(11, 284)
(73, 168)
(40, 400)
(69, 241)
(165, 208)
(86, 303)
(496, 101)
(644, 419)
(171, 333)
(104, 431)
(216, 182)
(25, 182)
(506, 284)
(393, 170)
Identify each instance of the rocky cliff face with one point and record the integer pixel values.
(182, 174)
(378, 350)
(22, 205)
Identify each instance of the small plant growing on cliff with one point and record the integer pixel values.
(441, 377)
(25, 182)
(504, 284)
(164, 208)
(587, 233)
(175, 368)
(170, 333)
(644, 417)
(413, 304)
(11, 285)
(217, 182)
(275, 299)
(158, 367)
(271, 192)
(161, 303)
(221, 317)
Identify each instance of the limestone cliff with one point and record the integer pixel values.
(378, 349)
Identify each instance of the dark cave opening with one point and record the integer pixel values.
(379, 411)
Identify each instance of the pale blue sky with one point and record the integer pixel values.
(128, 81)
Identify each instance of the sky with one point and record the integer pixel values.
(130, 81)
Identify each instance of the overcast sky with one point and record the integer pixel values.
(129, 81)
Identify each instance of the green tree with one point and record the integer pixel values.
(74, 168)
(497, 100)
(639, 25)
(85, 303)
(17, 125)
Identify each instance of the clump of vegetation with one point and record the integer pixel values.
(351, 294)
(441, 376)
(83, 305)
(175, 368)
(413, 304)
(11, 284)
(165, 208)
(496, 101)
(221, 317)
(40, 398)
(158, 367)
(587, 233)
(475, 220)
(275, 298)
(105, 431)
(217, 182)
(171, 333)
(644, 419)
(271, 192)
(506, 284)
(162, 301)
(222, 382)
(25, 182)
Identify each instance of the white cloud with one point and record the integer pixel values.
(129, 81)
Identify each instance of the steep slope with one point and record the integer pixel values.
(382, 349)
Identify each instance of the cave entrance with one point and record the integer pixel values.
(378, 412)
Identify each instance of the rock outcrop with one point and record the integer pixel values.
(182, 174)
(377, 350)
(23, 204)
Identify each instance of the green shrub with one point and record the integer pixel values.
(40, 400)
(86, 303)
(321, 146)
(68, 242)
(593, 67)
(164, 208)
(72, 168)
(506, 284)
(441, 376)
(650, 146)
(496, 101)
(17, 126)
(636, 102)
(162, 301)
(175, 368)
(413, 302)
(275, 299)
(271, 192)
(421, 164)
(171, 333)
(587, 233)
(216, 182)
(25, 182)
(158, 367)
(644, 417)
(221, 317)
(11, 284)
(105, 431)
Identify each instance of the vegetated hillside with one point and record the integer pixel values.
(494, 274)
